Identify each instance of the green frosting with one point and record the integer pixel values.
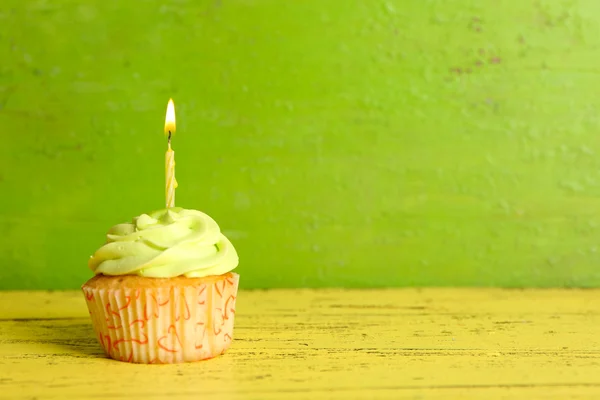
(165, 244)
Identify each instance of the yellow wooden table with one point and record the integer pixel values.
(335, 344)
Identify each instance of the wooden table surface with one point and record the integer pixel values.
(335, 344)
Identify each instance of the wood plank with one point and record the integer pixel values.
(384, 344)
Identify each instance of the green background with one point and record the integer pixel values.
(337, 142)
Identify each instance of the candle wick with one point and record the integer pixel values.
(169, 137)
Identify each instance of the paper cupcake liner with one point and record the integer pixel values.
(170, 324)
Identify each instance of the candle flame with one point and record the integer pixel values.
(170, 118)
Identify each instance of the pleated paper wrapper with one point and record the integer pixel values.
(165, 325)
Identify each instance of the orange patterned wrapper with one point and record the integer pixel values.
(162, 321)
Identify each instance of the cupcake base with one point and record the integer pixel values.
(162, 321)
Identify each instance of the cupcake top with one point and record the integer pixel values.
(165, 244)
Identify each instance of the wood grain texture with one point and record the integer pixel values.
(335, 344)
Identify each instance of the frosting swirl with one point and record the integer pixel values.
(164, 244)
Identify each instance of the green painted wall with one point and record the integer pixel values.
(337, 142)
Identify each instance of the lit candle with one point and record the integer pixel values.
(170, 181)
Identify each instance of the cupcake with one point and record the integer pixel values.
(163, 290)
